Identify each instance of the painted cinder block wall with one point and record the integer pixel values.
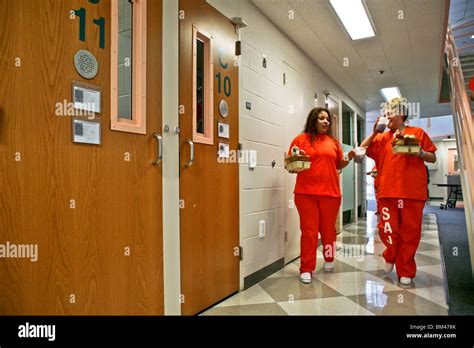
(265, 128)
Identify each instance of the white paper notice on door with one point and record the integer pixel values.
(223, 130)
(87, 99)
(223, 150)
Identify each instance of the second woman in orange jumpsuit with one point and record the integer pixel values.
(317, 192)
(402, 190)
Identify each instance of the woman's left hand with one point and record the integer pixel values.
(351, 154)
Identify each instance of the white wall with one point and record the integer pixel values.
(263, 127)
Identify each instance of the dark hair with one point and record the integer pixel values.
(311, 121)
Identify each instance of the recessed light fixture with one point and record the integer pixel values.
(354, 17)
(390, 92)
(381, 72)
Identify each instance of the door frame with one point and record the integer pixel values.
(170, 163)
(337, 100)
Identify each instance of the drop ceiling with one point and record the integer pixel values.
(408, 49)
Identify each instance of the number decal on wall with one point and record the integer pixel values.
(227, 86)
(101, 23)
(81, 13)
(227, 82)
(224, 66)
(218, 77)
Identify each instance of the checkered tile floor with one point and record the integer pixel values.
(357, 286)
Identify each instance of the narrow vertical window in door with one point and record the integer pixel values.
(125, 59)
(200, 86)
(203, 118)
(128, 66)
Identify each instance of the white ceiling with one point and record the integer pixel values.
(409, 50)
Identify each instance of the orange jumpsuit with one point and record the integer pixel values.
(402, 193)
(318, 197)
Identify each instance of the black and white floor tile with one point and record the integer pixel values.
(357, 286)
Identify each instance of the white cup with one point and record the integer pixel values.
(359, 154)
(382, 124)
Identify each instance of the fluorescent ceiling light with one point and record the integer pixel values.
(472, 36)
(390, 92)
(354, 17)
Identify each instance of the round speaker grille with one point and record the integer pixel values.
(86, 64)
(223, 108)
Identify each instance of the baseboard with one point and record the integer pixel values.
(265, 272)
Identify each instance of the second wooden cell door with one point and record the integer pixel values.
(209, 182)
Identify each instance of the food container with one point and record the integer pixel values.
(297, 163)
(406, 149)
(406, 144)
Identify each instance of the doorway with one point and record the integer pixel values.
(295, 119)
(209, 154)
(348, 174)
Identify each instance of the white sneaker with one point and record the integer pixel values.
(388, 267)
(405, 280)
(305, 277)
(329, 266)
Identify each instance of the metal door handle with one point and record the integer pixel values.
(160, 148)
(191, 148)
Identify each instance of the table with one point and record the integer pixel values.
(455, 189)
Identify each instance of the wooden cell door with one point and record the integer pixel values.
(294, 124)
(93, 211)
(209, 184)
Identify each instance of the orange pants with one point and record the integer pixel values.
(400, 231)
(317, 214)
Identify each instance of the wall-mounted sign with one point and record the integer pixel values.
(86, 97)
(223, 150)
(86, 132)
(223, 130)
(223, 108)
(86, 64)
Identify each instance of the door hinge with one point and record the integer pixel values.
(238, 48)
(286, 236)
(241, 253)
(284, 79)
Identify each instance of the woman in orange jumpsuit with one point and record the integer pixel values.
(402, 189)
(317, 192)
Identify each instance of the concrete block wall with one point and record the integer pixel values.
(263, 127)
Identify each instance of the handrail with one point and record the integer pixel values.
(464, 129)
